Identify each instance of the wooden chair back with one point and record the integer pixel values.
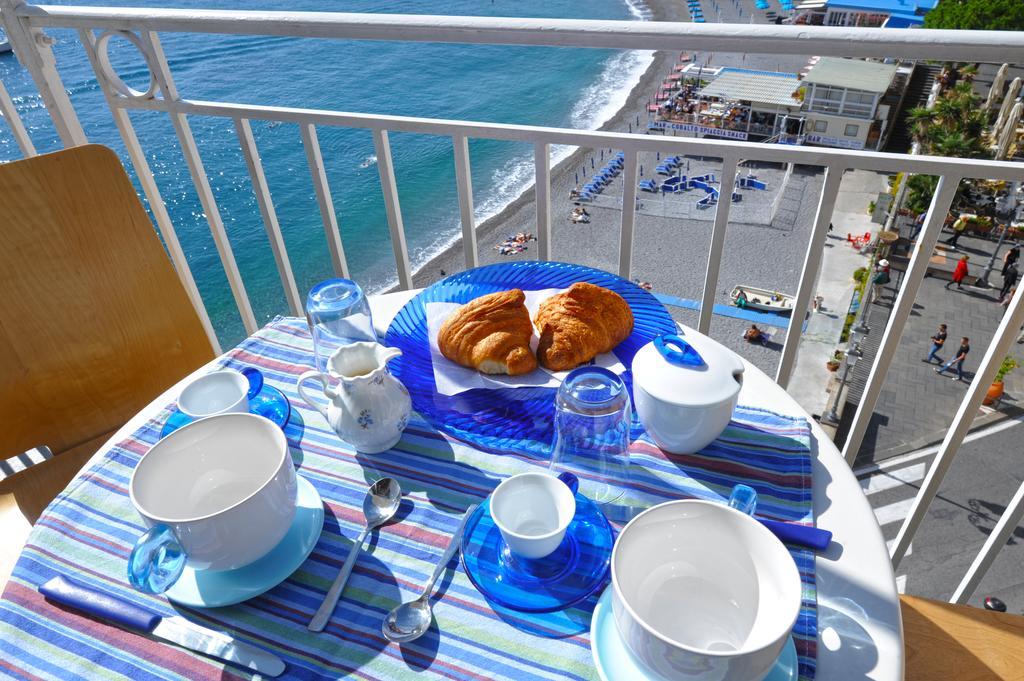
(94, 322)
(946, 641)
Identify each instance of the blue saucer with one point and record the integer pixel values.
(205, 589)
(269, 402)
(615, 662)
(577, 568)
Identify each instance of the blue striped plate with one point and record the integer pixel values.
(510, 419)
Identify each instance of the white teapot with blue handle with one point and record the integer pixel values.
(369, 407)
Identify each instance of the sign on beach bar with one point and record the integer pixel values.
(700, 129)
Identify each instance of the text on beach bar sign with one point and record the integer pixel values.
(701, 129)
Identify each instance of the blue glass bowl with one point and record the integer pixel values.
(577, 568)
(269, 402)
(509, 419)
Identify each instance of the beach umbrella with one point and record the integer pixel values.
(1004, 110)
(997, 86)
(1009, 132)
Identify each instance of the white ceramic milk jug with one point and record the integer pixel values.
(370, 407)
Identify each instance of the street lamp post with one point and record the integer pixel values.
(1009, 208)
(852, 355)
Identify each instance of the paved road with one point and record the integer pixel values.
(982, 480)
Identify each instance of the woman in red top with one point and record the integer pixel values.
(959, 273)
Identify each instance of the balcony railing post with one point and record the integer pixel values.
(322, 189)
(1006, 334)
(629, 179)
(149, 187)
(32, 48)
(463, 179)
(996, 541)
(542, 163)
(10, 114)
(269, 214)
(941, 202)
(201, 181)
(707, 305)
(386, 168)
(809, 275)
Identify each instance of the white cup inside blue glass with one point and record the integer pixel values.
(338, 314)
(533, 511)
(223, 391)
(593, 414)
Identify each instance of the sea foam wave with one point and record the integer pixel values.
(598, 103)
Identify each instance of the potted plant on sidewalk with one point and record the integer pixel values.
(833, 363)
(995, 391)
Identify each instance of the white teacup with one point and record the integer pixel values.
(224, 391)
(218, 493)
(703, 591)
(533, 510)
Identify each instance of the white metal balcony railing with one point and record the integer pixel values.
(24, 25)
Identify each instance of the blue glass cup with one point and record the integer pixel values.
(592, 422)
(338, 314)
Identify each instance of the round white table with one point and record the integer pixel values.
(860, 633)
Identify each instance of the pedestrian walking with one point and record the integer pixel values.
(918, 225)
(938, 340)
(880, 279)
(959, 227)
(1010, 258)
(1005, 302)
(961, 355)
(959, 273)
(1010, 276)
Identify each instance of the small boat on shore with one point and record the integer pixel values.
(761, 299)
(5, 46)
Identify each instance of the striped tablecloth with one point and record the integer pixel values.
(89, 529)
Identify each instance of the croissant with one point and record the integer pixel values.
(490, 334)
(578, 324)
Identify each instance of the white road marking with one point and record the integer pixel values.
(884, 480)
(898, 461)
(894, 512)
(889, 544)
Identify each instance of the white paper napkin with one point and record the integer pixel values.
(452, 379)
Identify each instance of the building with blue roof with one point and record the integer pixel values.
(868, 13)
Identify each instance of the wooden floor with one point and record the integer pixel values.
(961, 643)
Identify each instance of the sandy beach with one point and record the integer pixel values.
(670, 253)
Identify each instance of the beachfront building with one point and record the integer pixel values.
(732, 103)
(850, 103)
(866, 13)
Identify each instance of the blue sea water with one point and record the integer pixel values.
(545, 86)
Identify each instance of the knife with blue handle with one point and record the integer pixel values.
(801, 535)
(178, 630)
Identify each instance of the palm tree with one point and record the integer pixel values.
(920, 120)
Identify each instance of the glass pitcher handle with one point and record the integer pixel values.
(156, 561)
(255, 378)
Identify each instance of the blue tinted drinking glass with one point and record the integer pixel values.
(592, 419)
(338, 314)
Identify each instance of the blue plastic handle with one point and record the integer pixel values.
(64, 591)
(683, 354)
(801, 535)
(570, 480)
(255, 381)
